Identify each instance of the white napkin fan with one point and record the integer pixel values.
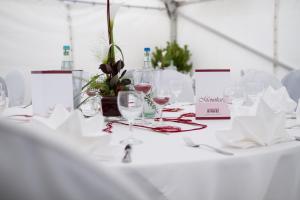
(265, 128)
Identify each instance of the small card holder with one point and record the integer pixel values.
(50, 88)
(210, 84)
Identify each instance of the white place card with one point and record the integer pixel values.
(50, 88)
(210, 85)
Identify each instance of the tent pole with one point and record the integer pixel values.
(171, 7)
(173, 29)
(70, 29)
(275, 34)
(235, 42)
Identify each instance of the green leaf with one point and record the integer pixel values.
(125, 81)
(120, 50)
(123, 73)
(120, 65)
(114, 81)
(106, 68)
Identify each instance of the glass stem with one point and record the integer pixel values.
(143, 110)
(160, 114)
(131, 129)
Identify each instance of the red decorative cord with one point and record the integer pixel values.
(164, 129)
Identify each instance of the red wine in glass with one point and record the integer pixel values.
(161, 100)
(143, 87)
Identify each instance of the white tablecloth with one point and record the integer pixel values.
(179, 172)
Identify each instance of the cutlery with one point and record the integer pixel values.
(190, 143)
(127, 156)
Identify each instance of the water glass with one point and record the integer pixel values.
(130, 104)
(234, 96)
(176, 87)
(254, 90)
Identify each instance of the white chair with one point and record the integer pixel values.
(262, 77)
(19, 87)
(186, 94)
(36, 165)
(292, 83)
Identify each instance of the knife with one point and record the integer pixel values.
(127, 155)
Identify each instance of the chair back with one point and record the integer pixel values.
(36, 165)
(262, 77)
(292, 83)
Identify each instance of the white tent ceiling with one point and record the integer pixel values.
(32, 32)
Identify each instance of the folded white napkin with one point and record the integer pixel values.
(72, 123)
(279, 100)
(264, 128)
(86, 133)
(56, 118)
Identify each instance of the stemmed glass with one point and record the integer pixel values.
(3, 99)
(253, 91)
(176, 88)
(234, 96)
(142, 80)
(161, 97)
(130, 105)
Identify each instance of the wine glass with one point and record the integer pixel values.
(161, 97)
(92, 105)
(3, 99)
(130, 104)
(253, 91)
(142, 80)
(176, 88)
(234, 96)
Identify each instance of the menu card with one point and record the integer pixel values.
(210, 84)
(50, 88)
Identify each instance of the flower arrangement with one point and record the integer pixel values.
(113, 82)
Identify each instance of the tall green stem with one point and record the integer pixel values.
(111, 53)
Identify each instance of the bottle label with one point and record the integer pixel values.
(150, 108)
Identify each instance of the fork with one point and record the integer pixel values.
(190, 143)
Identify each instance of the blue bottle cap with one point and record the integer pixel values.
(147, 49)
(66, 47)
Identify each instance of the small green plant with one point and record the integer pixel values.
(162, 57)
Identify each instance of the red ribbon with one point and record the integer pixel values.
(165, 129)
(172, 109)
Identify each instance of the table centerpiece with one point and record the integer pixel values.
(112, 80)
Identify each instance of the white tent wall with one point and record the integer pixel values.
(249, 22)
(32, 33)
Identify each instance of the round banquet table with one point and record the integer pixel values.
(171, 170)
(180, 172)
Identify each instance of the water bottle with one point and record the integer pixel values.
(149, 109)
(67, 63)
(147, 58)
